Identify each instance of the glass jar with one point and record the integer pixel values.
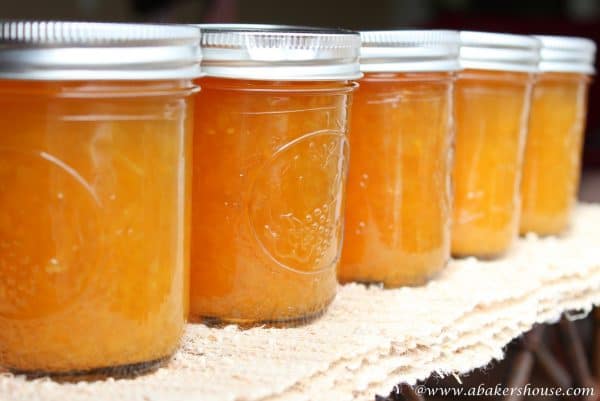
(556, 127)
(492, 100)
(270, 158)
(94, 194)
(397, 229)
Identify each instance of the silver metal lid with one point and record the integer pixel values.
(39, 50)
(409, 51)
(567, 54)
(499, 51)
(265, 52)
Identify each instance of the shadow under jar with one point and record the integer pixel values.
(397, 229)
(492, 100)
(94, 195)
(270, 158)
(556, 128)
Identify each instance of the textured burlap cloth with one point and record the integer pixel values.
(370, 339)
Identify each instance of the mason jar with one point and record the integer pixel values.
(399, 208)
(270, 160)
(94, 194)
(492, 101)
(556, 128)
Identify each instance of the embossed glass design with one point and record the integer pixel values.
(397, 229)
(94, 210)
(268, 193)
(553, 152)
(492, 111)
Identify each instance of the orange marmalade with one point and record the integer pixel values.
(397, 228)
(556, 129)
(268, 193)
(93, 230)
(492, 108)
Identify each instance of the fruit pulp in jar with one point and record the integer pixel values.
(397, 229)
(553, 152)
(94, 220)
(268, 194)
(492, 109)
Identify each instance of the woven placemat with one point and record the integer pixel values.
(370, 339)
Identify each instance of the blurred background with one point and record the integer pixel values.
(562, 17)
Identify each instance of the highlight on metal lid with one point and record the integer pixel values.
(409, 51)
(567, 54)
(278, 52)
(499, 51)
(53, 50)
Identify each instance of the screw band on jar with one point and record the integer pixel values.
(567, 54)
(409, 51)
(498, 52)
(260, 52)
(61, 51)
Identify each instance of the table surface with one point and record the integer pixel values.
(370, 339)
